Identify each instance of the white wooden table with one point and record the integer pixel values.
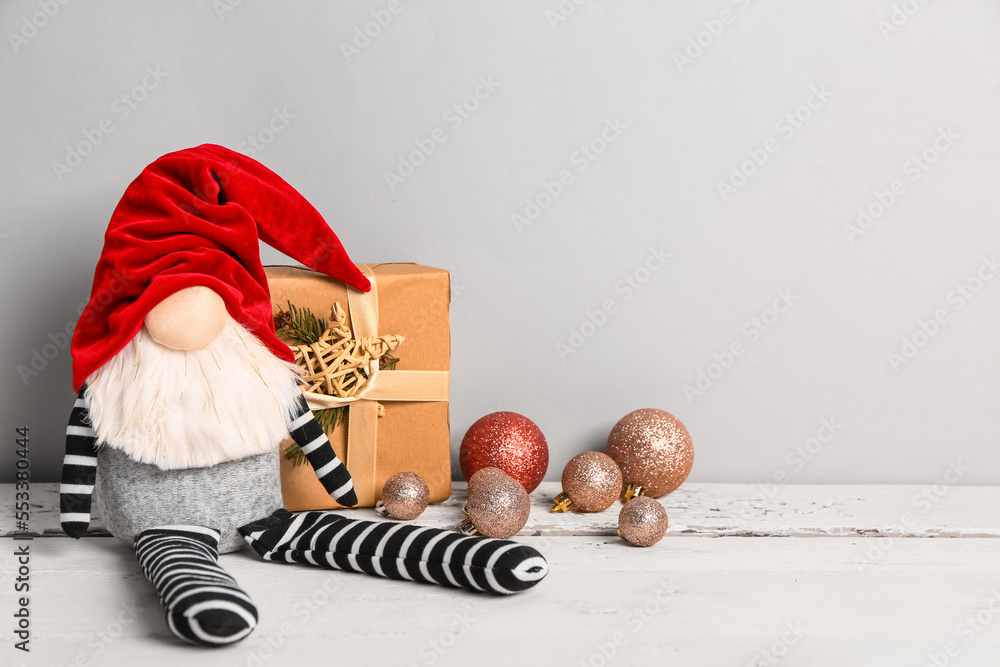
(797, 575)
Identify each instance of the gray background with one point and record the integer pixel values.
(230, 70)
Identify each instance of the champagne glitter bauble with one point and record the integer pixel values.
(404, 496)
(508, 441)
(642, 521)
(653, 450)
(591, 482)
(496, 507)
(485, 474)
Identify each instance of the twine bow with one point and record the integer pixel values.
(337, 364)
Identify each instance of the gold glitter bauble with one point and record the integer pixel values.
(642, 521)
(498, 506)
(653, 450)
(484, 474)
(404, 496)
(592, 482)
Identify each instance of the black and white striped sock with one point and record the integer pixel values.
(202, 602)
(309, 436)
(79, 471)
(396, 550)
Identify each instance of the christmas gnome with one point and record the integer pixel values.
(185, 392)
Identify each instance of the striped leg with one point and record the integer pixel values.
(396, 550)
(309, 435)
(202, 602)
(79, 471)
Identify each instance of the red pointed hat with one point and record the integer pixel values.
(194, 217)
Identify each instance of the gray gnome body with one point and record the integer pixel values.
(133, 497)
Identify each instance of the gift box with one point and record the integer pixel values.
(398, 420)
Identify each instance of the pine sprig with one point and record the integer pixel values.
(331, 418)
(299, 323)
(294, 454)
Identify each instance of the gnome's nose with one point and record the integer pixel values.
(189, 319)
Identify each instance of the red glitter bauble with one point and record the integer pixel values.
(508, 441)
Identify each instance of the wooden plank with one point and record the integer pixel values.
(707, 510)
(691, 601)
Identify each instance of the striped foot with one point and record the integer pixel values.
(202, 602)
(396, 550)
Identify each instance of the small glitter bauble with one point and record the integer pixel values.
(496, 507)
(404, 496)
(508, 441)
(653, 450)
(485, 474)
(591, 482)
(642, 521)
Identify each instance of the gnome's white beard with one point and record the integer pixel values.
(193, 409)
